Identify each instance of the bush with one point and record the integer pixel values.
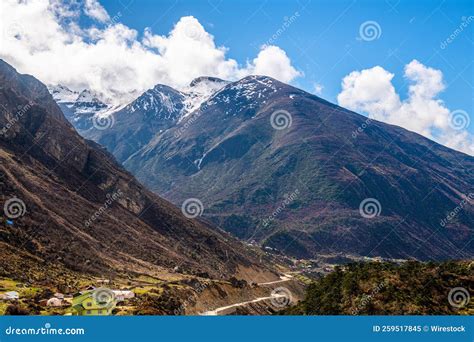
(16, 310)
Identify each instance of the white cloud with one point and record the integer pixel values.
(93, 9)
(188, 52)
(272, 60)
(44, 38)
(371, 91)
(318, 89)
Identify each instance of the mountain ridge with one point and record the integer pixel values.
(240, 144)
(243, 165)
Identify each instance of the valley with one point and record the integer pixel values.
(275, 216)
(71, 213)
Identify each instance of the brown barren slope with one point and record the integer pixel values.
(84, 212)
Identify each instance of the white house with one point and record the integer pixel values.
(12, 295)
(54, 302)
(59, 295)
(121, 295)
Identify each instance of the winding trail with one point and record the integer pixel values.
(222, 308)
(283, 278)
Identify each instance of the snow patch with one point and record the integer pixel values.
(199, 91)
(62, 94)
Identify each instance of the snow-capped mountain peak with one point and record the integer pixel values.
(80, 106)
(62, 94)
(200, 90)
(158, 101)
(246, 93)
(168, 103)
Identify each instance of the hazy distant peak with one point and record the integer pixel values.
(62, 94)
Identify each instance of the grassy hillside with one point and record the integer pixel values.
(412, 288)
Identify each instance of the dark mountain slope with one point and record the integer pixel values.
(299, 189)
(83, 211)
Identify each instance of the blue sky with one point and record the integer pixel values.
(323, 42)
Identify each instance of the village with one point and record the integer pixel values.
(144, 294)
(172, 294)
